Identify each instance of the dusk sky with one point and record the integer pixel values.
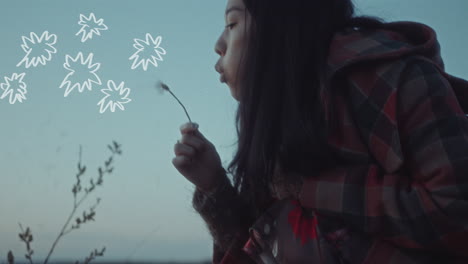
(146, 211)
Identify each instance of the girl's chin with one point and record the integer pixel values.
(234, 94)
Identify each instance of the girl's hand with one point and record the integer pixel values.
(197, 159)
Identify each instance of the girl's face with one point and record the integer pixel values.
(231, 44)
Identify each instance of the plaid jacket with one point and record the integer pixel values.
(400, 194)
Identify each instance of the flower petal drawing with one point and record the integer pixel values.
(82, 73)
(115, 96)
(89, 26)
(14, 88)
(38, 50)
(148, 52)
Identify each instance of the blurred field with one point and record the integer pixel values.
(123, 262)
(136, 262)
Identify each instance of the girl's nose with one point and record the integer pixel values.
(220, 46)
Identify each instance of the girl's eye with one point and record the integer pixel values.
(230, 26)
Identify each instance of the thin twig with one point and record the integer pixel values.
(166, 88)
(62, 232)
(190, 120)
(76, 205)
(26, 237)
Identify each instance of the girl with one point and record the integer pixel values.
(352, 141)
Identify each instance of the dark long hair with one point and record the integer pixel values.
(280, 118)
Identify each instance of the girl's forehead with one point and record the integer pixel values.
(234, 6)
(232, 3)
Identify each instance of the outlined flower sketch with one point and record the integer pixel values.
(148, 51)
(38, 50)
(116, 96)
(82, 73)
(89, 26)
(14, 87)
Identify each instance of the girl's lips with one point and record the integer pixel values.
(222, 78)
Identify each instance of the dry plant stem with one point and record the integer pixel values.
(76, 205)
(26, 235)
(10, 258)
(64, 230)
(93, 255)
(164, 87)
(190, 120)
(30, 252)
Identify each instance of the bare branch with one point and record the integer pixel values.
(27, 237)
(90, 215)
(10, 258)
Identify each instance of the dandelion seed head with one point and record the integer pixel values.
(163, 86)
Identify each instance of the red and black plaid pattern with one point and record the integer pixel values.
(404, 117)
(401, 191)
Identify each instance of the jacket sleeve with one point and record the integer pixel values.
(228, 221)
(423, 204)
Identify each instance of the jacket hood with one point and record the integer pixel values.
(392, 41)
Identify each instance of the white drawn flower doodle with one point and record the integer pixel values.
(82, 73)
(89, 26)
(116, 96)
(148, 51)
(14, 88)
(38, 50)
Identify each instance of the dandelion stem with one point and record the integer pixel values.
(166, 88)
(190, 120)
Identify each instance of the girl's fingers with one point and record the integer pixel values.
(183, 149)
(187, 127)
(192, 129)
(181, 161)
(193, 141)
